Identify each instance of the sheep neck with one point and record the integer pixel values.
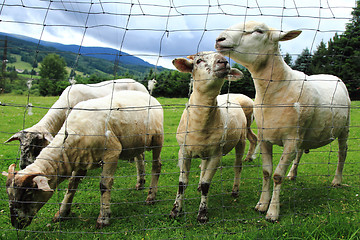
(54, 118)
(202, 109)
(52, 169)
(269, 77)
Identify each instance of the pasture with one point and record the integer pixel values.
(311, 208)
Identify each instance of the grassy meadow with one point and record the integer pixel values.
(310, 209)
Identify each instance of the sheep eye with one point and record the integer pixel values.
(199, 61)
(259, 31)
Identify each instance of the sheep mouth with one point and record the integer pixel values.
(20, 223)
(222, 49)
(221, 72)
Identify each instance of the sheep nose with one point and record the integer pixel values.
(221, 60)
(220, 39)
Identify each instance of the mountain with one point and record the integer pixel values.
(126, 61)
(99, 52)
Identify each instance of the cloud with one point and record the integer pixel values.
(158, 31)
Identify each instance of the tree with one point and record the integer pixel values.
(319, 62)
(244, 86)
(303, 61)
(341, 57)
(288, 59)
(53, 73)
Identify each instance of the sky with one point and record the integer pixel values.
(161, 30)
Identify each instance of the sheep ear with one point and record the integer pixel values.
(191, 57)
(14, 137)
(235, 74)
(285, 36)
(42, 183)
(183, 64)
(11, 171)
(48, 137)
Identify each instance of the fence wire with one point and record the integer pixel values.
(158, 32)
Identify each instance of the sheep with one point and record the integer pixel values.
(151, 85)
(210, 126)
(96, 134)
(247, 105)
(35, 138)
(292, 110)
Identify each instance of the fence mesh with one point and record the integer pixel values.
(159, 32)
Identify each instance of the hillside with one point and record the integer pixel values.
(92, 59)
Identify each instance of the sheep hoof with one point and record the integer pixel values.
(260, 211)
(291, 178)
(150, 200)
(174, 212)
(62, 217)
(337, 185)
(139, 187)
(102, 223)
(235, 194)
(336, 182)
(272, 219)
(202, 216)
(140, 184)
(260, 207)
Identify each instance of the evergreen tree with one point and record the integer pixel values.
(303, 61)
(342, 55)
(288, 59)
(319, 61)
(244, 86)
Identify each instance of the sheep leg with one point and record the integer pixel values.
(293, 171)
(288, 155)
(155, 174)
(267, 167)
(184, 164)
(140, 167)
(65, 207)
(106, 182)
(342, 140)
(205, 185)
(239, 152)
(203, 166)
(251, 136)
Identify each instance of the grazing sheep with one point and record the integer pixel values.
(293, 110)
(210, 126)
(151, 85)
(35, 138)
(96, 134)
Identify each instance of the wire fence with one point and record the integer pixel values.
(88, 128)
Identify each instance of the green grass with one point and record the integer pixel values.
(310, 208)
(21, 64)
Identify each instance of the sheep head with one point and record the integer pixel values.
(251, 43)
(27, 194)
(209, 70)
(31, 144)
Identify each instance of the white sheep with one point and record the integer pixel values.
(96, 134)
(292, 110)
(210, 126)
(247, 105)
(151, 85)
(35, 138)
